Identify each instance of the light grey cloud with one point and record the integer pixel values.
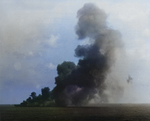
(23, 27)
(51, 66)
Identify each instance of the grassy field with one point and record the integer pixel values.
(107, 112)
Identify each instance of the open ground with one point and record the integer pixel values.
(105, 112)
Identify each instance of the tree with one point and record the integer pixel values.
(44, 99)
(29, 99)
(45, 92)
(33, 95)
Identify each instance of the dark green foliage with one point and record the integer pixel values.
(29, 99)
(24, 103)
(43, 100)
(47, 97)
(45, 93)
(33, 95)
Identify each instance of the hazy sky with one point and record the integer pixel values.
(36, 36)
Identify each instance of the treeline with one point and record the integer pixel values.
(52, 97)
(44, 99)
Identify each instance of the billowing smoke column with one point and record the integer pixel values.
(78, 84)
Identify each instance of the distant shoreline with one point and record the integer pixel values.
(90, 105)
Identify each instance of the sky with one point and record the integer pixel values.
(36, 36)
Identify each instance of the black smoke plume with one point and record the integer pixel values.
(78, 84)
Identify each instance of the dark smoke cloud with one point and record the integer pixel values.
(91, 21)
(78, 84)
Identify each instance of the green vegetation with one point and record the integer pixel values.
(49, 98)
(42, 100)
(105, 112)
